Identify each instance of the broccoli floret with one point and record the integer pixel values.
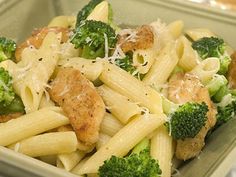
(91, 37)
(187, 120)
(209, 47)
(7, 48)
(9, 101)
(15, 106)
(126, 63)
(226, 110)
(213, 47)
(6, 89)
(86, 10)
(134, 165)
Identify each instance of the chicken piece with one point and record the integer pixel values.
(188, 88)
(37, 39)
(6, 118)
(80, 102)
(134, 39)
(232, 72)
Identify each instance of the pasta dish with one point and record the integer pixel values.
(95, 99)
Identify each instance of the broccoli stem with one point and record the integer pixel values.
(15, 106)
(144, 144)
(2, 56)
(168, 106)
(220, 93)
(90, 54)
(216, 83)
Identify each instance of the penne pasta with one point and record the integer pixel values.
(120, 106)
(198, 33)
(123, 141)
(110, 125)
(122, 82)
(69, 160)
(176, 28)
(143, 60)
(76, 169)
(162, 150)
(47, 144)
(103, 139)
(31, 124)
(34, 70)
(162, 67)
(100, 12)
(46, 102)
(63, 21)
(90, 68)
(188, 58)
(206, 69)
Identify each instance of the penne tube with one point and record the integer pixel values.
(143, 60)
(103, 139)
(76, 169)
(162, 150)
(127, 85)
(46, 102)
(34, 70)
(123, 141)
(119, 105)
(175, 28)
(100, 12)
(206, 69)
(162, 67)
(188, 58)
(110, 125)
(198, 33)
(31, 124)
(63, 21)
(90, 68)
(47, 144)
(69, 160)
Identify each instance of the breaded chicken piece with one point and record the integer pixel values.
(134, 39)
(188, 88)
(232, 72)
(80, 102)
(7, 117)
(37, 38)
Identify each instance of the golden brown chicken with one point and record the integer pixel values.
(188, 88)
(80, 102)
(134, 39)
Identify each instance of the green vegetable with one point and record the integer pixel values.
(7, 49)
(168, 106)
(6, 89)
(126, 64)
(9, 102)
(226, 110)
(187, 120)
(15, 106)
(213, 47)
(144, 144)
(216, 83)
(86, 10)
(134, 165)
(91, 37)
